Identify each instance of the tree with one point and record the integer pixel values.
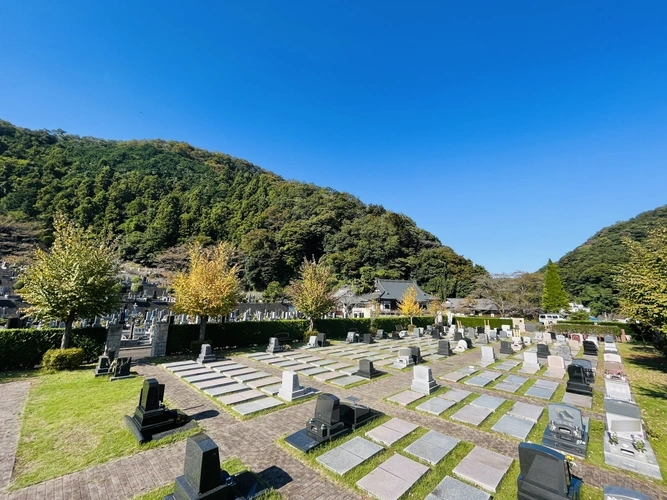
(77, 278)
(578, 316)
(312, 292)
(137, 284)
(210, 287)
(274, 292)
(517, 293)
(643, 280)
(554, 296)
(408, 304)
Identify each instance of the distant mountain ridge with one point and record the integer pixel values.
(588, 269)
(157, 195)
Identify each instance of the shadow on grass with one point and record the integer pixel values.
(659, 393)
(647, 357)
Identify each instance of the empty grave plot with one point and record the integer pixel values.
(391, 431)
(349, 455)
(542, 389)
(484, 468)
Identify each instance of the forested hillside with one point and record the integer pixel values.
(156, 194)
(587, 270)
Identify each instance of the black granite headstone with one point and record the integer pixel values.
(415, 352)
(545, 475)
(590, 349)
(543, 351)
(505, 347)
(576, 383)
(122, 368)
(366, 369)
(322, 340)
(480, 329)
(589, 374)
(103, 366)
(367, 338)
(151, 416)
(458, 336)
(444, 348)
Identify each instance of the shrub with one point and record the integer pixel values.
(63, 359)
(23, 348)
(475, 321)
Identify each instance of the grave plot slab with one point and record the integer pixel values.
(435, 406)
(405, 398)
(337, 366)
(178, 363)
(228, 368)
(273, 358)
(349, 455)
(241, 371)
(360, 355)
(453, 489)
(507, 387)
(390, 432)
(192, 373)
(186, 368)
(226, 389)
(296, 355)
(349, 370)
(300, 368)
(432, 447)
(247, 377)
(349, 380)
(310, 359)
(578, 400)
(484, 468)
(241, 397)
(271, 390)
(313, 371)
(435, 357)
(324, 362)
(546, 384)
(256, 354)
(526, 411)
(456, 395)
(286, 364)
(203, 377)
(385, 362)
(554, 373)
(453, 376)
(223, 363)
(539, 392)
(507, 365)
(263, 382)
(529, 369)
(490, 375)
(515, 379)
(473, 415)
(323, 377)
(513, 426)
(478, 381)
(257, 405)
(208, 384)
(392, 478)
(489, 402)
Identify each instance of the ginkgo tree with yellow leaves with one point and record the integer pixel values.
(312, 292)
(210, 287)
(77, 278)
(408, 305)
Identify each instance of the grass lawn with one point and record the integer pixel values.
(232, 466)
(73, 420)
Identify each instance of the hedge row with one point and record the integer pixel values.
(23, 348)
(601, 326)
(475, 321)
(248, 333)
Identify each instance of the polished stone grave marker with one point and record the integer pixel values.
(274, 346)
(530, 363)
(489, 402)
(120, 368)
(578, 400)
(404, 358)
(423, 381)
(542, 389)
(392, 478)
(206, 355)
(435, 406)
(488, 356)
(290, 388)
(505, 347)
(616, 389)
(567, 430)
(456, 395)
(367, 370)
(526, 411)
(484, 468)
(555, 367)
(444, 348)
(618, 493)
(589, 373)
(391, 431)
(545, 474)
(471, 414)
(577, 381)
(405, 398)
(349, 455)
(513, 426)
(256, 405)
(453, 489)
(590, 348)
(151, 417)
(103, 366)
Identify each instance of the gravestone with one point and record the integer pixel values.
(332, 419)
(290, 388)
(444, 348)
(312, 341)
(380, 335)
(415, 352)
(543, 352)
(545, 475)
(590, 349)
(103, 366)
(555, 367)
(567, 430)
(461, 346)
(612, 357)
(367, 338)
(366, 369)
(565, 352)
(151, 416)
(609, 338)
(626, 444)
(589, 374)
(577, 382)
(206, 354)
(616, 389)
(458, 336)
(482, 339)
(538, 336)
(120, 369)
(423, 381)
(493, 336)
(480, 329)
(352, 337)
(274, 346)
(505, 347)
(322, 340)
(618, 493)
(404, 358)
(488, 355)
(159, 339)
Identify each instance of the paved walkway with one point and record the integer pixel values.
(12, 400)
(253, 441)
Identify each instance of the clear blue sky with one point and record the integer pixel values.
(513, 131)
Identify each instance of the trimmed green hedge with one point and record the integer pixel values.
(475, 321)
(23, 348)
(63, 359)
(248, 333)
(600, 328)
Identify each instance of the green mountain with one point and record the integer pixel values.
(156, 195)
(587, 270)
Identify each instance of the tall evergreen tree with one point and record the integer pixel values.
(554, 296)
